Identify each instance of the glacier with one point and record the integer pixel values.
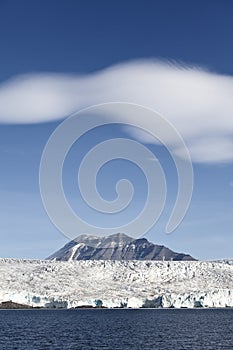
(129, 284)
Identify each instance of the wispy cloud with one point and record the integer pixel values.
(197, 102)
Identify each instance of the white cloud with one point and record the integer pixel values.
(197, 102)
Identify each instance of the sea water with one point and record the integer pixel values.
(123, 329)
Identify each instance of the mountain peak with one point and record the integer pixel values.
(118, 246)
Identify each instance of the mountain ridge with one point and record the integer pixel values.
(118, 246)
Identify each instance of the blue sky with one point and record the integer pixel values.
(74, 39)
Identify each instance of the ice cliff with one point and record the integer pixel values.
(117, 283)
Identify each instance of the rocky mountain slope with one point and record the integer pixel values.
(115, 247)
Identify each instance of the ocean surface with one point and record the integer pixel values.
(197, 329)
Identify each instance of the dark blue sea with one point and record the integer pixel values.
(160, 329)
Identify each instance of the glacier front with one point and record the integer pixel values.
(131, 284)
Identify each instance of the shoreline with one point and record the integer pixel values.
(16, 306)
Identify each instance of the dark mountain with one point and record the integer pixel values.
(115, 247)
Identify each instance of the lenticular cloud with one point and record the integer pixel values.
(197, 102)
